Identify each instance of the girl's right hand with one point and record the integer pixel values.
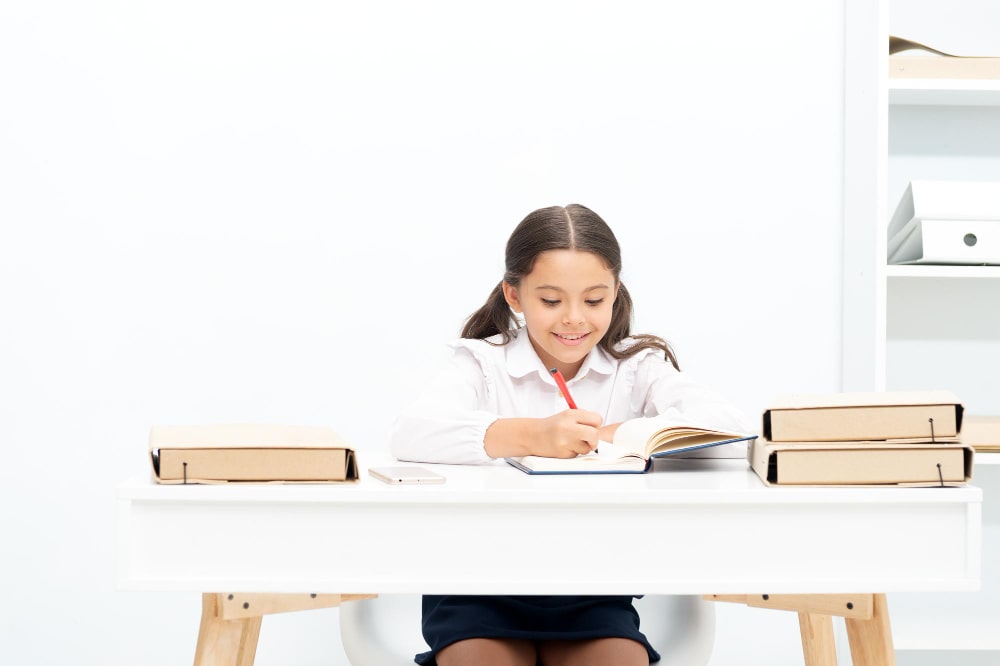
(568, 434)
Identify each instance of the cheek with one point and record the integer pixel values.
(537, 315)
(606, 317)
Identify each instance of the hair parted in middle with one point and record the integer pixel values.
(572, 227)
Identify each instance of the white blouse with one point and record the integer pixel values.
(485, 382)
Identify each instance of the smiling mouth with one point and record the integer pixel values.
(571, 338)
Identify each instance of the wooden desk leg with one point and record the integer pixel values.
(866, 615)
(230, 622)
(225, 642)
(871, 640)
(818, 647)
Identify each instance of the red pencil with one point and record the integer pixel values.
(563, 388)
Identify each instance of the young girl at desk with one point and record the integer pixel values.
(497, 398)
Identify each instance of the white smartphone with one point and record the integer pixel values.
(405, 474)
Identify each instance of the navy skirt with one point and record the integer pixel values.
(447, 619)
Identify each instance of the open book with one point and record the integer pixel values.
(637, 443)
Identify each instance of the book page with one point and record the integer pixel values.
(611, 451)
(646, 436)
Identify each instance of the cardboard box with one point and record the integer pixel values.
(952, 200)
(861, 463)
(250, 453)
(960, 242)
(893, 416)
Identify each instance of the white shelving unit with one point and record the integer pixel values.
(943, 92)
(922, 327)
(943, 272)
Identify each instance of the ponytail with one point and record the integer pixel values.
(492, 318)
(619, 330)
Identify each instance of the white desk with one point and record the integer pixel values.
(691, 527)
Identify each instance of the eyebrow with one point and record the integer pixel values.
(560, 289)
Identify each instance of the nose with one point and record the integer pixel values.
(573, 314)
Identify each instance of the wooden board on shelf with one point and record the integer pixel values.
(943, 67)
(941, 271)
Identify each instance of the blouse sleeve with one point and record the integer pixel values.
(664, 390)
(447, 423)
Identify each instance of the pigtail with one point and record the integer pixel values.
(620, 328)
(493, 317)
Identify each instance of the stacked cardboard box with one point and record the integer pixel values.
(879, 438)
(228, 453)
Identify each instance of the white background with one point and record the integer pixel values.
(222, 211)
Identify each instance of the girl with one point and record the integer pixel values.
(497, 398)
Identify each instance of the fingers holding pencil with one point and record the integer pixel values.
(570, 433)
(580, 435)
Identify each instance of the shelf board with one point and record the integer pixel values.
(936, 271)
(944, 92)
(987, 458)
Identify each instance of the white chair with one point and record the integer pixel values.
(385, 631)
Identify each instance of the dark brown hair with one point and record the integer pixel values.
(573, 227)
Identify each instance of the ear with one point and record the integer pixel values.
(510, 295)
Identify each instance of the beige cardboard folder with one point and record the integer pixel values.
(245, 452)
(861, 463)
(982, 432)
(873, 416)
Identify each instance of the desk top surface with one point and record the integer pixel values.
(712, 480)
(690, 526)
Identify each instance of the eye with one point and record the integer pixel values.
(595, 301)
(550, 302)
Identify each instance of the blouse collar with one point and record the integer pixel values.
(522, 359)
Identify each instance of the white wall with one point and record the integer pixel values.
(223, 211)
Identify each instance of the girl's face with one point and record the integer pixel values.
(566, 301)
